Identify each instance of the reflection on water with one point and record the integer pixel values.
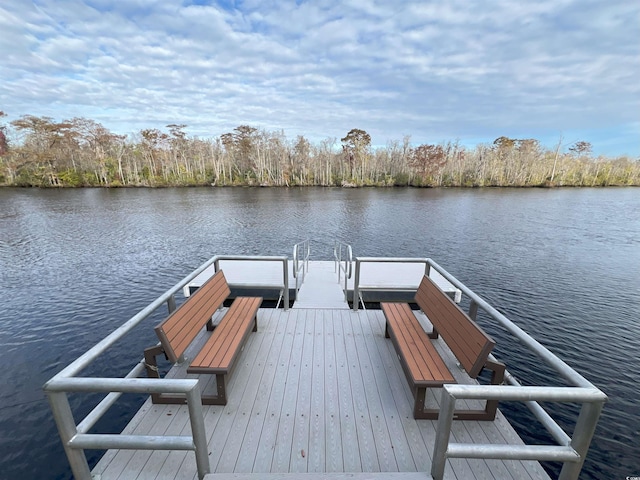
(75, 264)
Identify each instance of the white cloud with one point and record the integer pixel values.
(435, 70)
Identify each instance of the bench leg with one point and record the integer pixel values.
(221, 387)
(497, 378)
(419, 412)
(151, 366)
(150, 362)
(422, 413)
(174, 399)
(220, 398)
(491, 407)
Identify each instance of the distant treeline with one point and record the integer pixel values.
(39, 151)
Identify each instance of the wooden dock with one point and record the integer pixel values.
(316, 390)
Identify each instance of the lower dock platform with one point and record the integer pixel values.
(315, 391)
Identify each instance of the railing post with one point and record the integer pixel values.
(473, 310)
(308, 253)
(67, 428)
(346, 287)
(194, 403)
(582, 435)
(285, 271)
(171, 303)
(356, 285)
(443, 432)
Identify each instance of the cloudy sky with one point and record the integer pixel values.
(434, 70)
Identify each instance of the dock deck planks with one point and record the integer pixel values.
(314, 391)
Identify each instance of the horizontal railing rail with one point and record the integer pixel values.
(74, 436)
(571, 450)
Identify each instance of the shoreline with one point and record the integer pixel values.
(426, 187)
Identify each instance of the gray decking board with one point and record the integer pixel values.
(321, 289)
(325, 382)
(323, 476)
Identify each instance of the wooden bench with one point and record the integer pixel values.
(220, 350)
(422, 364)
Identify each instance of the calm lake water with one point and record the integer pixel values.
(74, 264)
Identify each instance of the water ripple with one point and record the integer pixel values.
(75, 265)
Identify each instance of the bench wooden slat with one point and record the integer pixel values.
(220, 350)
(247, 308)
(468, 342)
(186, 322)
(179, 329)
(425, 365)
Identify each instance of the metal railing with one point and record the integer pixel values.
(75, 437)
(284, 286)
(571, 450)
(301, 254)
(343, 265)
(358, 288)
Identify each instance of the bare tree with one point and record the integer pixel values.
(355, 146)
(581, 149)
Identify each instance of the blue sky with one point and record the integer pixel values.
(449, 70)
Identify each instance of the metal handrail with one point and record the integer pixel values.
(560, 366)
(75, 438)
(75, 441)
(571, 450)
(358, 288)
(284, 286)
(301, 265)
(347, 268)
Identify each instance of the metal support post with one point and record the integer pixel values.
(63, 417)
(443, 431)
(171, 303)
(356, 287)
(473, 310)
(285, 272)
(582, 435)
(194, 404)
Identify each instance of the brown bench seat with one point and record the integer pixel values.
(219, 352)
(422, 364)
